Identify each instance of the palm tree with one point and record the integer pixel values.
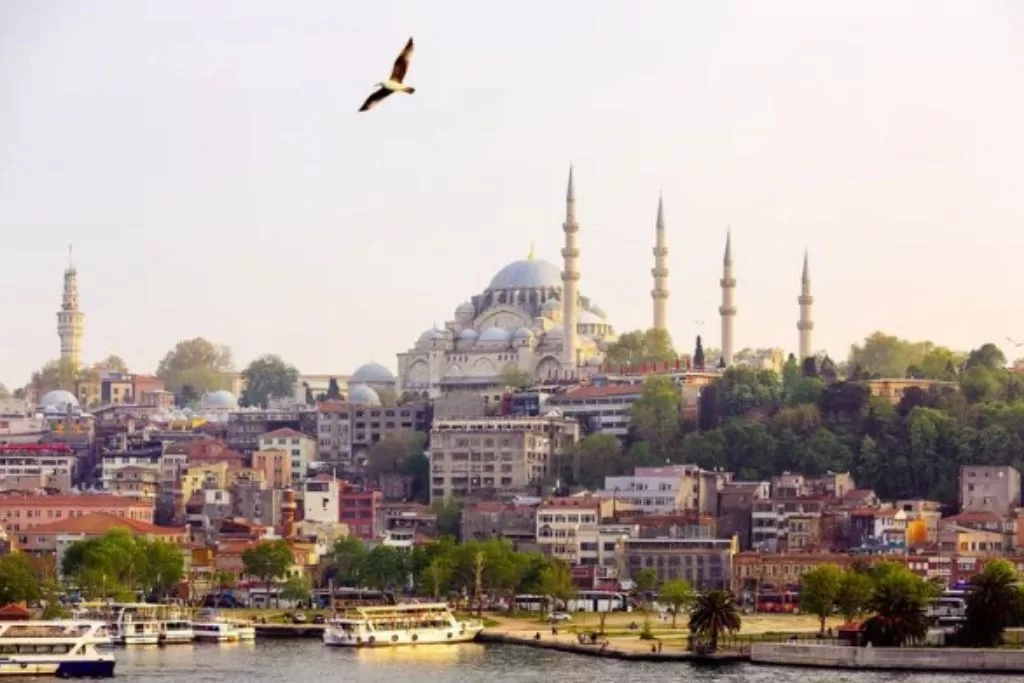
(992, 604)
(714, 612)
(899, 604)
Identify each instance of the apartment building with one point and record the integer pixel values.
(989, 489)
(706, 563)
(773, 521)
(300, 447)
(26, 467)
(20, 512)
(664, 490)
(276, 466)
(570, 529)
(485, 455)
(245, 427)
(345, 431)
(605, 408)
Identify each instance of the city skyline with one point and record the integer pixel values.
(221, 185)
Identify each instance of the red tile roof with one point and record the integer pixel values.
(99, 523)
(284, 431)
(975, 518)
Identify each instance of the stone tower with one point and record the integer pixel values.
(570, 277)
(70, 320)
(660, 272)
(728, 308)
(806, 322)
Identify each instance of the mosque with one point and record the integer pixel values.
(532, 318)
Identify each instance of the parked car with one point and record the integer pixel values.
(298, 618)
(319, 619)
(559, 616)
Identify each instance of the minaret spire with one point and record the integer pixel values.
(728, 308)
(70, 320)
(659, 294)
(806, 323)
(570, 277)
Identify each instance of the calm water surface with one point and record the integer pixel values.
(307, 661)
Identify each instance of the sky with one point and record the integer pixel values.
(208, 164)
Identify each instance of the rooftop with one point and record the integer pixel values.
(607, 391)
(96, 500)
(99, 523)
(285, 432)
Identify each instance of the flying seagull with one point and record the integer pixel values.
(394, 83)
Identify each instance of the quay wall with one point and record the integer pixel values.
(960, 660)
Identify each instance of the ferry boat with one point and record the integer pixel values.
(209, 627)
(175, 630)
(136, 623)
(246, 629)
(66, 649)
(408, 624)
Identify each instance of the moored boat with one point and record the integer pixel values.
(66, 649)
(136, 623)
(408, 624)
(175, 631)
(209, 627)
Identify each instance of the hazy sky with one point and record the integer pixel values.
(207, 161)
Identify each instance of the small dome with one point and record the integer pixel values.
(599, 312)
(495, 334)
(468, 334)
(590, 318)
(59, 399)
(372, 373)
(523, 333)
(465, 310)
(552, 305)
(363, 395)
(433, 334)
(219, 399)
(527, 274)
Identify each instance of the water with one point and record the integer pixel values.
(308, 661)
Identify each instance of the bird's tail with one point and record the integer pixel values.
(410, 90)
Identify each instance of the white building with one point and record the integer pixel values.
(300, 448)
(321, 500)
(608, 408)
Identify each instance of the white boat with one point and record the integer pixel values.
(409, 624)
(214, 632)
(246, 629)
(136, 623)
(174, 631)
(66, 649)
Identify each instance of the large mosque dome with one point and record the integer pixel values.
(374, 373)
(527, 274)
(219, 400)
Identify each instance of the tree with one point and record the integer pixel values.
(598, 455)
(653, 346)
(56, 374)
(268, 377)
(556, 583)
(741, 389)
(993, 604)
(268, 560)
(819, 591)
(112, 363)
(384, 568)
(898, 601)
(646, 580)
(197, 363)
(679, 594)
(297, 589)
(986, 356)
(855, 589)
(18, 582)
(163, 566)
(655, 415)
(391, 454)
(714, 613)
(698, 354)
(333, 391)
(515, 378)
(884, 355)
(346, 560)
(437, 575)
(810, 367)
(187, 396)
(114, 563)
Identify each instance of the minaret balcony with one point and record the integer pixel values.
(571, 228)
(660, 252)
(727, 310)
(805, 325)
(659, 272)
(570, 252)
(727, 282)
(570, 276)
(805, 300)
(659, 293)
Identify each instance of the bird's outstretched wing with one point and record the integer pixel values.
(374, 99)
(402, 63)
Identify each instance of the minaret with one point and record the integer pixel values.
(728, 308)
(806, 322)
(570, 277)
(660, 272)
(70, 320)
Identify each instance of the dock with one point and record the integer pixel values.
(290, 630)
(611, 652)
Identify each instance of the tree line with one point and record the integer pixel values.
(811, 420)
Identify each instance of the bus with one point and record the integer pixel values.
(950, 608)
(598, 601)
(778, 603)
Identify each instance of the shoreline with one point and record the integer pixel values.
(609, 652)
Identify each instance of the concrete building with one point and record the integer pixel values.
(706, 563)
(300, 447)
(321, 499)
(21, 512)
(347, 429)
(496, 519)
(482, 456)
(245, 427)
(605, 408)
(26, 467)
(570, 529)
(986, 488)
(360, 511)
(276, 466)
